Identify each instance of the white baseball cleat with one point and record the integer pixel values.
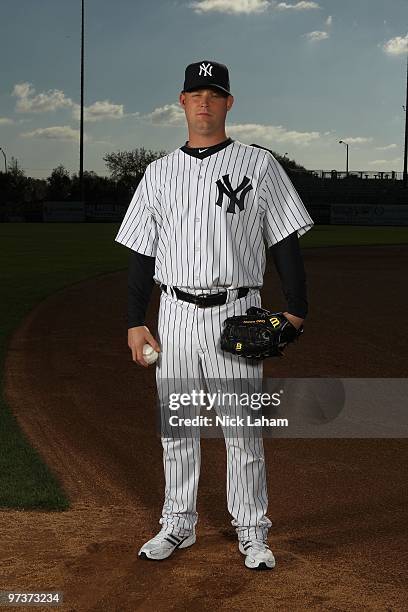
(164, 544)
(258, 555)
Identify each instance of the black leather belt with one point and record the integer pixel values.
(202, 300)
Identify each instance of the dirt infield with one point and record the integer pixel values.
(338, 507)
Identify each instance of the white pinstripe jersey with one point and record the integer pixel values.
(206, 221)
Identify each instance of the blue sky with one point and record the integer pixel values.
(304, 75)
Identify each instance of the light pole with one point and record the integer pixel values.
(5, 160)
(345, 143)
(405, 180)
(81, 124)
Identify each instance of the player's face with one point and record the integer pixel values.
(206, 110)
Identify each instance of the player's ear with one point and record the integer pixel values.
(230, 102)
(182, 98)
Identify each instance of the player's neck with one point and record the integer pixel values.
(201, 141)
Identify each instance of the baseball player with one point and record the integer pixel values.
(198, 225)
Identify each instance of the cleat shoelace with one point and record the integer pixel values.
(257, 545)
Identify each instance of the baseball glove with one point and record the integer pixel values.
(258, 334)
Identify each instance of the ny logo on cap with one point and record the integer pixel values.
(205, 70)
(225, 188)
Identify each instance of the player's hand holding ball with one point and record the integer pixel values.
(145, 349)
(149, 354)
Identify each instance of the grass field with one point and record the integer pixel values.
(38, 260)
(346, 235)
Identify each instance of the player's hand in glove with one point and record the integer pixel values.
(258, 334)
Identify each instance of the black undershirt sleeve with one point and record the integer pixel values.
(140, 286)
(289, 265)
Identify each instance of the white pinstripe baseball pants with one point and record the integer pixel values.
(189, 339)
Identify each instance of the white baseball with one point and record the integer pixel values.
(149, 354)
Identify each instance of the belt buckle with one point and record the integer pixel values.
(197, 299)
(207, 297)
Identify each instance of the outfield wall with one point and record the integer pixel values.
(359, 214)
(322, 214)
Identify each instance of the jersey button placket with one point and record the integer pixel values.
(197, 247)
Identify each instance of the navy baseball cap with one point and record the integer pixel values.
(207, 74)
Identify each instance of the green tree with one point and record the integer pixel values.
(15, 170)
(16, 182)
(129, 166)
(58, 184)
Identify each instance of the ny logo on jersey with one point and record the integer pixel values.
(224, 188)
(205, 70)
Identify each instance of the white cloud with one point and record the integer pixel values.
(387, 147)
(357, 139)
(105, 143)
(260, 133)
(316, 35)
(168, 115)
(385, 162)
(57, 132)
(100, 110)
(5, 121)
(231, 7)
(329, 21)
(299, 6)
(27, 102)
(237, 7)
(397, 45)
(53, 99)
